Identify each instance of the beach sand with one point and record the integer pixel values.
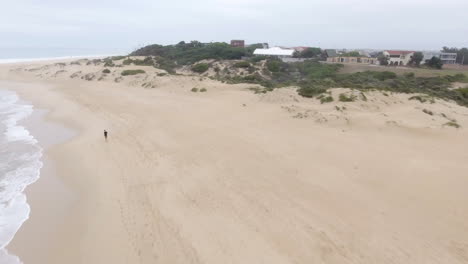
(229, 176)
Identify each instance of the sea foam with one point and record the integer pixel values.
(20, 164)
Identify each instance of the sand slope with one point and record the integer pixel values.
(229, 176)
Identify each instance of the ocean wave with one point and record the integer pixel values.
(20, 164)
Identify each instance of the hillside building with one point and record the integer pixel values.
(238, 43)
(275, 51)
(446, 58)
(357, 60)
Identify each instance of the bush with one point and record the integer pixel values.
(109, 63)
(148, 61)
(127, 61)
(187, 53)
(457, 78)
(409, 75)
(132, 72)
(463, 92)
(326, 99)
(242, 64)
(194, 90)
(203, 90)
(452, 124)
(435, 63)
(429, 112)
(106, 71)
(422, 99)
(311, 91)
(162, 74)
(118, 57)
(345, 98)
(273, 65)
(258, 59)
(200, 67)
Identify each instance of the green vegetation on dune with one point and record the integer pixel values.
(315, 78)
(242, 64)
(200, 67)
(189, 53)
(312, 77)
(132, 72)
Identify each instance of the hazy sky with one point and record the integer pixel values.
(119, 26)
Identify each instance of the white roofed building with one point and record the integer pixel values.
(275, 51)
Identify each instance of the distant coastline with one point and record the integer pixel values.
(39, 59)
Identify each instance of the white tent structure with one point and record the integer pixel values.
(275, 51)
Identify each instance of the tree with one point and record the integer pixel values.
(311, 52)
(416, 59)
(351, 54)
(383, 59)
(435, 63)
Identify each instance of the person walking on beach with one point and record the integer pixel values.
(105, 134)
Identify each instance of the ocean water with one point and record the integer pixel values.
(20, 164)
(35, 59)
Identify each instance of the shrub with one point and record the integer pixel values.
(242, 64)
(127, 61)
(109, 63)
(194, 90)
(463, 92)
(118, 57)
(435, 63)
(200, 67)
(409, 75)
(257, 90)
(148, 61)
(132, 72)
(429, 112)
(422, 99)
(452, 124)
(106, 71)
(273, 65)
(188, 53)
(203, 90)
(457, 78)
(162, 74)
(311, 91)
(345, 98)
(363, 97)
(326, 99)
(258, 59)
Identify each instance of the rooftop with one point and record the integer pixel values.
(275, 51)
(399, 52)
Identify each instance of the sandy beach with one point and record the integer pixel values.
(230, 176)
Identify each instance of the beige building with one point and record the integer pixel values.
(359, 60)
(398, 57)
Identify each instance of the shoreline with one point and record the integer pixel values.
(49, 198)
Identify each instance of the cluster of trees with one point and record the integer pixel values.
(188, 53)
(309, 53)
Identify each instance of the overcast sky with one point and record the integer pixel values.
(119, 26)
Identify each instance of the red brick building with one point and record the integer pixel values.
(238, 43)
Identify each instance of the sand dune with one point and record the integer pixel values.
(229, 176)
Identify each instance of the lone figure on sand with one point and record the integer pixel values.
(105, 134)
